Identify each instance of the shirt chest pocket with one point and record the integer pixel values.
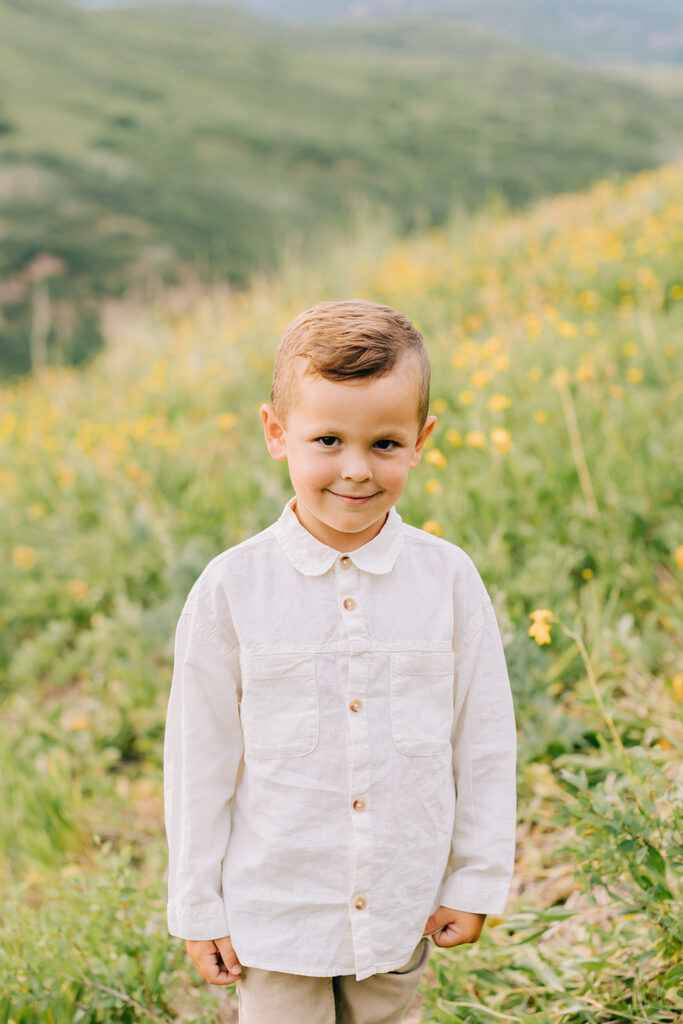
(279, 707)
(421, 697)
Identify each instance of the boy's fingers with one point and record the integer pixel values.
(230, 966)
(454, 927)
(209, 961)
(450, 936)
(437, 921)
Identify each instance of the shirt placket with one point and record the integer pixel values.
(359, 760)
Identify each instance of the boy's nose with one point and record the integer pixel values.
(356, 469)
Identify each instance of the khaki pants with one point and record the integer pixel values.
(269, 997)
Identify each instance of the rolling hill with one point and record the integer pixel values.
(601, 32)
(141, 141)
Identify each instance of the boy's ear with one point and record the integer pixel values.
(274, 432)
(430, 423)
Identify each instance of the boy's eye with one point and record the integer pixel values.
(386, 445)
(328, 441)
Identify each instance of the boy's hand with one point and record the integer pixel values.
(215, 959)
(453, 927)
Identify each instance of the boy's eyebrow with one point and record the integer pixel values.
(383, 432)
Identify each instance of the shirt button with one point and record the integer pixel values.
(349, 604)
(360, 903)
(359, 805)
(345, 561)
(356, 705)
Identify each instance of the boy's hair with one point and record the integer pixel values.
(341, 341)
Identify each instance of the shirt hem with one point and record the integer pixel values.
(323, 971)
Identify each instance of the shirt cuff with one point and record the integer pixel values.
(475, 896)
(203, 921)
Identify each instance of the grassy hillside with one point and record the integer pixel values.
(589, 31)
(134, 142)
(556, 342)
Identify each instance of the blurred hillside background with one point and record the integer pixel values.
(151, 144)
(177, 181)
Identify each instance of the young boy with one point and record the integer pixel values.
(340, 741)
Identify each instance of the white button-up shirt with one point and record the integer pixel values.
(339, 757)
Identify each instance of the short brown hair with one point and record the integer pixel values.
(342, 341)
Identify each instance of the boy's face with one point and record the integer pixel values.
(349, 448)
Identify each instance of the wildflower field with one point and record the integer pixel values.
(556, 338)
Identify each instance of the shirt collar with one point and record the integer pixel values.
(313, 558)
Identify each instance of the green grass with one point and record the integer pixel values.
(555, 337)
(140, 144)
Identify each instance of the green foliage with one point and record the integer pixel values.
(629, 842)
(616, 954)
(90, 949)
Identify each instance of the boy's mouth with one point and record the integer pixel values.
(352, 499)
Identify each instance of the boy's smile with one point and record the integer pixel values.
(349, 447)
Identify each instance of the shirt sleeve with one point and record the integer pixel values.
(202, 755)
(484, 756)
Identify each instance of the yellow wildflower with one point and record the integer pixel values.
(436, 458)
(65, 476)
(75, 721)
(630, 349)
(646, 277)
(480, 378)
(587, 573)
(634, 374)
(439, 405)
(117, 444)
(431, 526)
(472, 322)
(491, 345)
(560, 378)
(540, 628)
(7, 424)
(499, 402)
(23, 557)
(616, 391)
(501, 439)
(8, 480)
(501, 361)
(454, 438)
(466, 397)
(134, 470)
(226, 420)
(534, 325)
(585, 371)
(676, 291)
(38, 510)
(566, 329)
(535, 374)
(77, 588)
(540, 416)
(588, 300)
(433, 486)
(677, 683)
(678, 556)
(475, 439)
